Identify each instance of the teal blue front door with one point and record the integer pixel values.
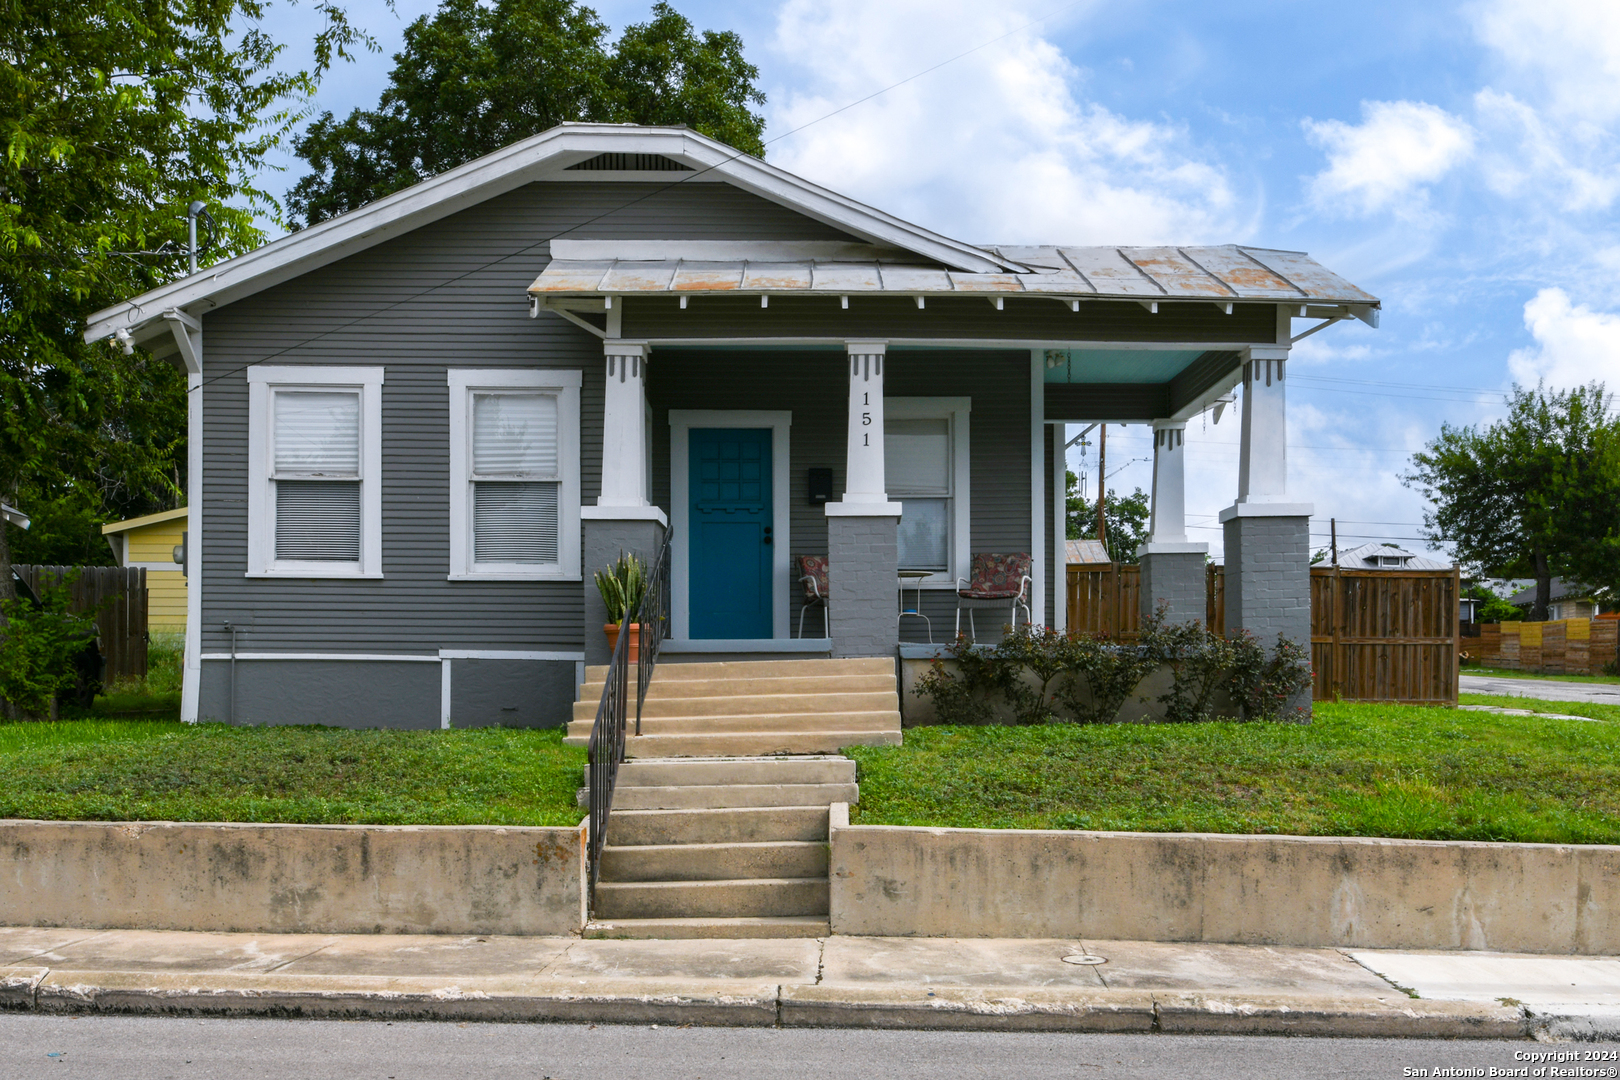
(729, 568)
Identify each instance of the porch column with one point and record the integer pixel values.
(622, 519)
(1268, 557)
(1172, 567)
(863, 555)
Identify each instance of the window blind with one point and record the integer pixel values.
(317, 433)
(515, 478)
(318, 520)
(917, 464)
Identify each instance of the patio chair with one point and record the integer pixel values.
(998, 580)
(813, 574)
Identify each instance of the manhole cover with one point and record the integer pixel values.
(1081, 958)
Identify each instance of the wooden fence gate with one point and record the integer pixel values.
(1376, 635)
(117, 597)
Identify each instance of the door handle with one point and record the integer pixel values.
(767, 535)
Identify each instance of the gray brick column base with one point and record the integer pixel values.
(1177, 580)
(603, 541)
(1268, 580)
(862, 569)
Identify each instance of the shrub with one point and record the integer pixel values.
(40, 648)
(1109, 671)
(1200, 662)
(1042, 652)
(1264, 685)
(960, 698)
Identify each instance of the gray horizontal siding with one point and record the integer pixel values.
(448, 294)
(814, 386)
(895, 318)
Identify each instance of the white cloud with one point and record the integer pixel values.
(998, 145)
(1387, 161)
(1569, 50)
(1574, 344)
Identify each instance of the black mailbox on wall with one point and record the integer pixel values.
(820, 484)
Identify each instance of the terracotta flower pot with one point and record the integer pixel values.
(634, 649)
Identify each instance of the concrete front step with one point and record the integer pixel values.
(637, 828)
(793, 926)
(749, 744)
(722, 796)
(741, 723)
(674, 772)
(715, 862)
(730, 669)
(731, 899)
(754, 704)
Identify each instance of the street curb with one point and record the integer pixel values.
(750, 1003)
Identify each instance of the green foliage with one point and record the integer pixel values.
(475, 77)
(1360, 769)
(1103, 675)
(1268, 686)
(622, 586)
(1200, 662)
(1125, 517)
(1535, 495)
(113, 118)
(962, 697)
(1044, 654)
(145, 770)
(38, 647)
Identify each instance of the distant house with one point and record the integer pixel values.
(1387, 557)
(150, 542)
(1087, 553)
(1568, 600)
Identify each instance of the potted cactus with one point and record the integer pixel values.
(622, 586)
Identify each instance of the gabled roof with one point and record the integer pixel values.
(1366, 557)
(508, 168)
(1086, 552)
(1560, 590)
(135, 523)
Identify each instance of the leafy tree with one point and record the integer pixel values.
(114, 117)
(1125, 518)
(1495, 609)
(475, 77)
(1535, 495)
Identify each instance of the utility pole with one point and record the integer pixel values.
(198, 207)
(1102, 482)
(1333, 534)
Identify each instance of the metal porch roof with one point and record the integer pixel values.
(1143, 274)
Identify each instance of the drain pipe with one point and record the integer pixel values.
(231, 697)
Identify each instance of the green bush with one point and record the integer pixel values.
(1108, 671)
(39, 645)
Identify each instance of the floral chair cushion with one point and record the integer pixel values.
(814, 567)
(998, 577)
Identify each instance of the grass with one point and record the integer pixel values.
(1505, 673)
(1358, 770)
(1566, 708)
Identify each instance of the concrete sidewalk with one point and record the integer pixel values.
(1543, 689)
(1045, 985)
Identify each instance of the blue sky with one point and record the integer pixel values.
(1460, 161)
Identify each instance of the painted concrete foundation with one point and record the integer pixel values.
(334, 879)
(862, 570)
(604, 542)
(1278, 890)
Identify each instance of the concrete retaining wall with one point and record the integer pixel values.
(1272, 890)
(338, 879)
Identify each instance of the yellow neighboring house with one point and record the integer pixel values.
(150, 542)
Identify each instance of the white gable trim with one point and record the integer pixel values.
(540, 157)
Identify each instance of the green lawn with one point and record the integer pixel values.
(1358, 770)
(134, 770)
(1505, 673)
(1540, 705)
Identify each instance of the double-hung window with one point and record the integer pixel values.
(514, 474)
(314, 457)
(925, 463)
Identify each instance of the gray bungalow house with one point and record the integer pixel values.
(416, 430)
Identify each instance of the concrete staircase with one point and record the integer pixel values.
(755, 708)
(719, 821)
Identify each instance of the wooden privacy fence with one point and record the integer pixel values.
(117, 596)
(1376, 635)
(1561, 647)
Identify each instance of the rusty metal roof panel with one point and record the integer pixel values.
(775, 276)
(629, 277)
(1067, 282)
(914, 279)
(1110, 272)
(1242, 274)
(845, 277)
(569, 276)
(986, 283)
(708, 277)
(1310, 277)
(1176, 274)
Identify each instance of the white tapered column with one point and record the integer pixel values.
(1263, 456)
(1172, 566)
(864, 475)
(1169, 524)
(624, 407)
(862, 552)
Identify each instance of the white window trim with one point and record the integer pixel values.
(462, 382)
(263, 380)
(957, 410)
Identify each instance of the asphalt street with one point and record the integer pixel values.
(1545, 689)
(158, 1048)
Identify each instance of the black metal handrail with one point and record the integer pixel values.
(609, 733)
